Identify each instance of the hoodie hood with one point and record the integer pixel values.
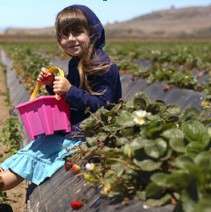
(94, 23)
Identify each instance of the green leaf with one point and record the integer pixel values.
(118, 168)
(204, 204)
(174, 110)
(87, 124)
(156, 107)
(159, 202)
(153, 190)
(101, 136)
(194, 148)
(91, 141)
(160, 179)
(167, 155)
(190, 114)
(121, 141)
(140, 101)
(128, 151)
(125, 119)
(177, 145)
(187, 203)
(203, 160)
(209, 131)
(89, 178)
(183, 162)
(176, 139)
(176, 180)
(147, 165)
(154, 127)
(127, 131)
(196, 132)
(155, 148)
(141, 195)
(138, 143)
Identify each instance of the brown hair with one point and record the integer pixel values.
(73, 20)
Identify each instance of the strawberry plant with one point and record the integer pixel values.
(11, 134)
(151, 151)
(27, 63)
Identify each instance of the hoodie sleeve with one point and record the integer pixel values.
(82, 99)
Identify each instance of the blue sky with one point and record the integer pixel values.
(41, 13)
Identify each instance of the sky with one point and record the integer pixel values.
(42, 13)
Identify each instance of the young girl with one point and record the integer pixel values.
(92, 82)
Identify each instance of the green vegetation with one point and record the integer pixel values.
(180, 64)
(11, 138)
(27, 62)
(11, 135)
(150, 151)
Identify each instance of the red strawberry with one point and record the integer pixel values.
(75, 168)
(76, 204)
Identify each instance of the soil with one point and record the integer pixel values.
(15, 196)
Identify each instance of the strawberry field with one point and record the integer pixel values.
(185, 65)
(10, 130)
(143, 149)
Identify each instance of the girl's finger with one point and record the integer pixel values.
(56, 78)
(56, 87)
(44, 70)
(57, 91)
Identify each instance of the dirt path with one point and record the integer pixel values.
(16, 196)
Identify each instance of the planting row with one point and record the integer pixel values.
(177, 64)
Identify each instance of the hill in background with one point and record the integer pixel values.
(191, 21)
(174, 22)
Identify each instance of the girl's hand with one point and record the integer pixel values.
(61, 85)
(45, 77)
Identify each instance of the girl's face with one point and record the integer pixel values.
(75, 43)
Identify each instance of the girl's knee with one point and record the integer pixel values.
(9, 180)
(2, 183)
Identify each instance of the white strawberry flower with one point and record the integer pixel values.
(90, 166)
(139, 116)
(145, 206)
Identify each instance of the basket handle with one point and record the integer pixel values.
(53, 70)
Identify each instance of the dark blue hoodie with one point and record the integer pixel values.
(80, 99)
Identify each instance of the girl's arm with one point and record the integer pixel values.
(81, 99)
(109, 84)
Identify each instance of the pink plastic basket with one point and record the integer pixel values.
(44, 115)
